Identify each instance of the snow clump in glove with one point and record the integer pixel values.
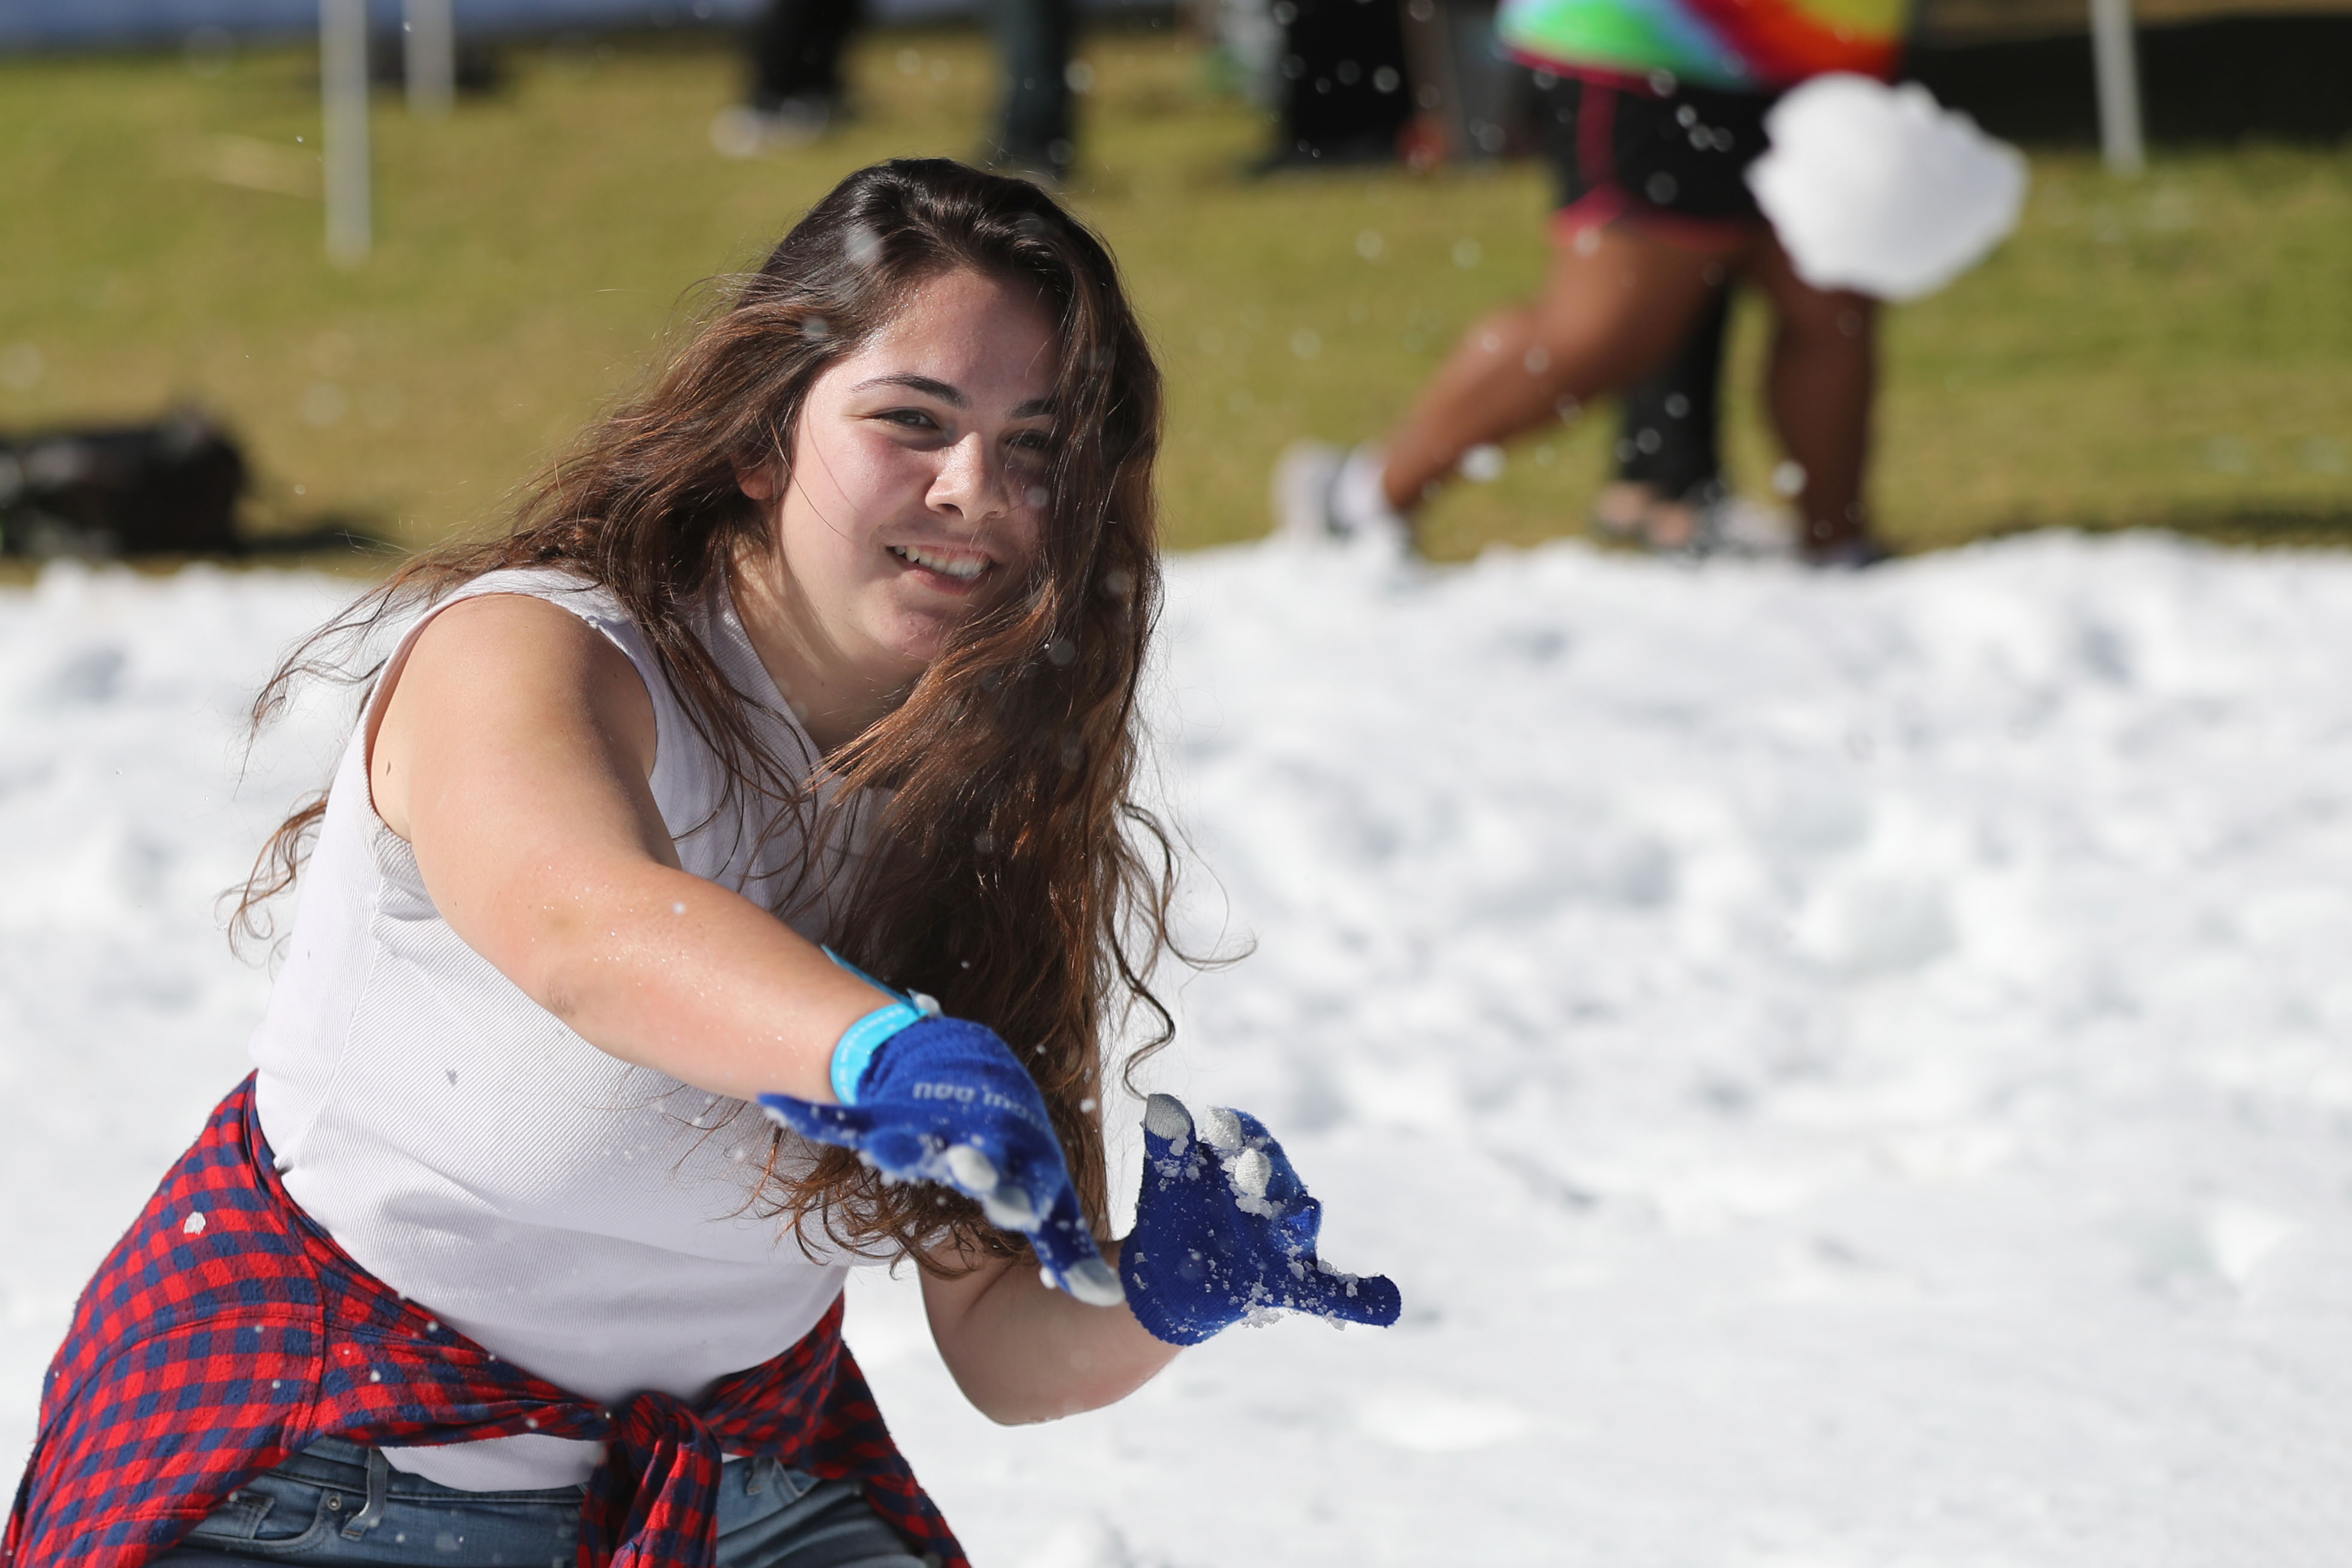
(1225, 1231)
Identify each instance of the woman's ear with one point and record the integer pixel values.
(761, 483)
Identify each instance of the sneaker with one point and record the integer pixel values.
(1326, 495)
(1306, 482)
(1709, 521)
(1632, 512)
(1733, 524)
(1850, 554)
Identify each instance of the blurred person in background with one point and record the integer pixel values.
(1669, 455)
(796, 90)
(797, 93)
(1669, 495)
(1650, 114)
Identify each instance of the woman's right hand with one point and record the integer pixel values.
(945, 1101)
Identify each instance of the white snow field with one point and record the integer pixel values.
(1846, 1070)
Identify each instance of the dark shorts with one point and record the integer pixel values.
(1673, 162)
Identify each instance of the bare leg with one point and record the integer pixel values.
(1611, 312)
(1819, 385)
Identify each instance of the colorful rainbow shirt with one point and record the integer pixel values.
(1753, 44)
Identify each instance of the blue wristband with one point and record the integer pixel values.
(854, 1052)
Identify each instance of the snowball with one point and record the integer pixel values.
(1880, 189)
(196, 1226)
(1221, 1130)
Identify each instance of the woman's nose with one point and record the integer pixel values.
(972, 482)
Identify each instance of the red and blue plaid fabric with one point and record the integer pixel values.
(227, 1331)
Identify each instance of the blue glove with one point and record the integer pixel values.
(1224, 1230)
(942, 1099)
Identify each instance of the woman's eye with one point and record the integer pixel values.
(1038, 441)
(910, 419)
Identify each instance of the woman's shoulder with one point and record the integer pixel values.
(565, 586)
(595, 605)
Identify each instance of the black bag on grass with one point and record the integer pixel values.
(166, 488)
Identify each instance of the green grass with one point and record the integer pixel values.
(2176, 349)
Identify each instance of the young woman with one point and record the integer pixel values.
(832, 636)
(1652, 111)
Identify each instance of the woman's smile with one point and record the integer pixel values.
(950, 568)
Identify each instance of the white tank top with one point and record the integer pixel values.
(581, 1217)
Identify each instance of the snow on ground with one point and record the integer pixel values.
(1846, 1070)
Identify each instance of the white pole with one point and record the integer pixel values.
(2114, 62)
(344, 91)
(430, 45)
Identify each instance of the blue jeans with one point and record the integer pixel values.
(337, 1503)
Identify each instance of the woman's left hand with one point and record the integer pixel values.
(945, 1101)
(1224, 1229)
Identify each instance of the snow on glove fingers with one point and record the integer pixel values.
(945, 1101)
(1274, 1191)
(1266, 1185)
(1224, 1230)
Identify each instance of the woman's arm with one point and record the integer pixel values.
(1024, 1352)
(513, 754)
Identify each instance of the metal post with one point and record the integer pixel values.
(343, 92)
(429, 45)
(2117, 69)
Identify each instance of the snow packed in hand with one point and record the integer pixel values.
(1843, 1070)
(1225, 1233)
(1879, 189)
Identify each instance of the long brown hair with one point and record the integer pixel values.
(1006, 867)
